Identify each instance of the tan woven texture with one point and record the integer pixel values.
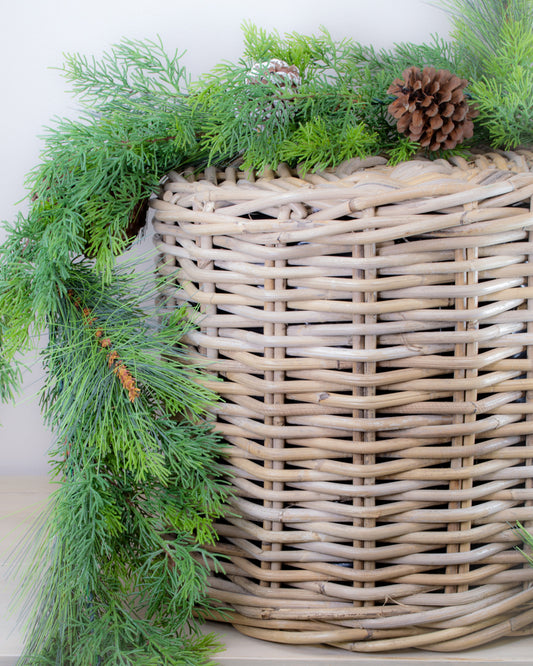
(373, 335)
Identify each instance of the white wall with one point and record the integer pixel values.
(35, 34)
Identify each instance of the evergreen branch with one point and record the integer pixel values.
(494, 41)
(312, 145)
(17, 317)
(527, 539)
(479, 29)
(503, 111)
(83, 375)
(91, 570)
(139, 488)
(133, 75)
(318, 57)
(10, 377)
(403, 151)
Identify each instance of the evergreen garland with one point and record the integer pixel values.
(122, 559)
(338, 111)
(119, 566)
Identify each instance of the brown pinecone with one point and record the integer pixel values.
(431, 108)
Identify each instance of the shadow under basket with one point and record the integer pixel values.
(372, 331)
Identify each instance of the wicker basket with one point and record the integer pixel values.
(373, 333)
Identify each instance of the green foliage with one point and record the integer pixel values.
(133, 74)
(140, 484)
(505, 112)
(481, 27)
(404, 150)
(83, 375)
(527, 539)
(246, 123)
(115, 578)
(318, 57)
(16, 273)
(10, 377)
(372, 74)
(339, 111)
(494, 44)
(96, 169)
(314, 146)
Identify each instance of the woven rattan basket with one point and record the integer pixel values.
(372, 330)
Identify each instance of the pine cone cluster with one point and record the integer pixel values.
(431, 107)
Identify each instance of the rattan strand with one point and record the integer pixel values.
(370, 331)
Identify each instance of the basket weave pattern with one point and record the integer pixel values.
(372, 333)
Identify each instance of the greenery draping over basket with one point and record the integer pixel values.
(128, 538)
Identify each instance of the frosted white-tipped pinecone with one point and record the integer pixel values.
(283, 76)
(275, 71)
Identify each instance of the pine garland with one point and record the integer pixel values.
(119, 573)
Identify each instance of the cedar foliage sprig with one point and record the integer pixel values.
(314, 146)
(138, 488)
(132, 74)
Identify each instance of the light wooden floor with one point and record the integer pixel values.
(21, 500)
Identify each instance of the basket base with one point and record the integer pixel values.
(465, 636)
(242, 650)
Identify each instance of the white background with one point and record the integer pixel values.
(34, 35)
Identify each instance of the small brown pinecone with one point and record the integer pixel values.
(431, 108)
